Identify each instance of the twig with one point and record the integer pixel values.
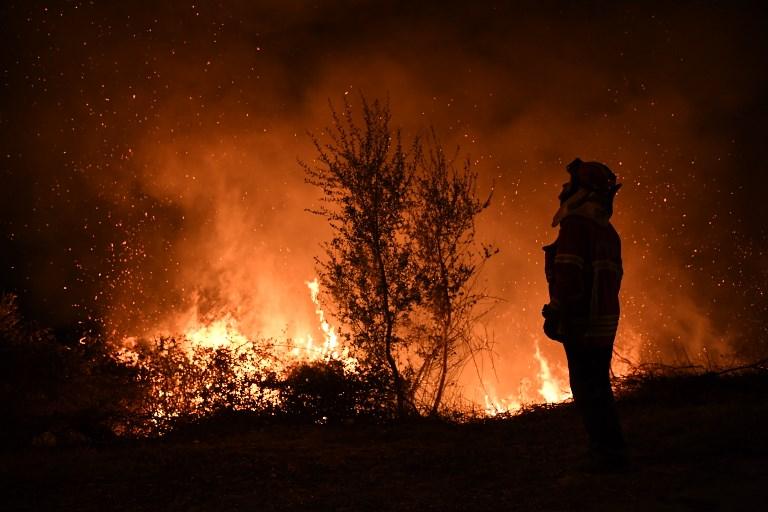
(759, 365)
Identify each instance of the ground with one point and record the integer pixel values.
(698, 444)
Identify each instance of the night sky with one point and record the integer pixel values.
(149, 154)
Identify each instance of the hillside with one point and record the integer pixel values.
(699, 443)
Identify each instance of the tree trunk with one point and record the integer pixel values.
(444, 312)
(443, 370)
(389, 322)
(396, 380)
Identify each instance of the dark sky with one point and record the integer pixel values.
(149, 151)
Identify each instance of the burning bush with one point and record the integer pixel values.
(191, 377)
(324, 392)
(182, 382)
(55, 391)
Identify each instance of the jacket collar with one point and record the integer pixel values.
(583, 203)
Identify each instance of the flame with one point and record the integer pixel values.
(207, 345)
(330, 346)
(221, 333)
(226, 333)
(251, 358)
(551, 389)
(495, 406)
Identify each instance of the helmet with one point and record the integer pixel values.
(591, 175)
(595, 177)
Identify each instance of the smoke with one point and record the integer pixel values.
(151, 177)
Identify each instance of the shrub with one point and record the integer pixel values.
(322, 392)
(74, 392)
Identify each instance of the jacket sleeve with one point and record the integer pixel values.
(568, 290)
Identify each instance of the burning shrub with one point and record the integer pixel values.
(53, 390)
(213, 367)
(181, 383)
(323, 392)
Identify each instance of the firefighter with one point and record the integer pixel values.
(584, 271)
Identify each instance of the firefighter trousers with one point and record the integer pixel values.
(589, 372)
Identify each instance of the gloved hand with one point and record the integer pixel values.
(553, 327)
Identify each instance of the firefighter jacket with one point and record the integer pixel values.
(583, 270)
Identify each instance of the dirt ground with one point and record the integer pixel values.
(697, 444)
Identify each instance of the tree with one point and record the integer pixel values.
(366, 176)
(442, 228)
(403, 257)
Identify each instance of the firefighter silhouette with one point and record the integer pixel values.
(583, 269)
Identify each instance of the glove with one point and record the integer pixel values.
(561, 326)
(553, 325)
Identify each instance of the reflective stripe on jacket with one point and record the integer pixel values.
(584, 271)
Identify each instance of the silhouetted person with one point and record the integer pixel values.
(583, 269)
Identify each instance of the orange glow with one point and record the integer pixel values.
(161, 177)
(249, 360)
(254, 357)
(552, 390)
